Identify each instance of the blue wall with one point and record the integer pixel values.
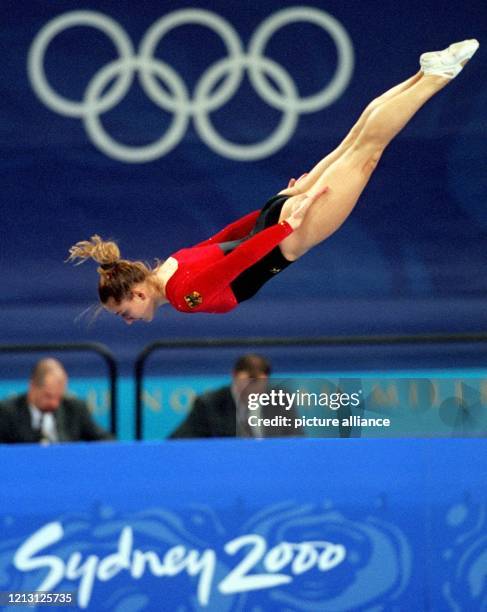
(403, 534)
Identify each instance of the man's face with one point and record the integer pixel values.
(244, 383)
(48, 396)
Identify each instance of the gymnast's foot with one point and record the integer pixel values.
(449, 62)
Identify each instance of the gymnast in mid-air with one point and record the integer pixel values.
(217, 274)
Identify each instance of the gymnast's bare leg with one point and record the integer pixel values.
(308, 180)
(347, 170)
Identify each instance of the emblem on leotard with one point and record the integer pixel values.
(275, 270)
(193, 299)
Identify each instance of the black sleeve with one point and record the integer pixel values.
(196, 424)
(5, 425)
(89, 430)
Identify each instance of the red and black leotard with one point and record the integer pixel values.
(217, 274)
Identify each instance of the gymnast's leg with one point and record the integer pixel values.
(349, 173)
(308, 180)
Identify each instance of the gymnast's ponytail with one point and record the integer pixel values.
(104, 252)
(117, 276)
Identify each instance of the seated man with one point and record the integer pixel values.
(224, 412)
(45, 413)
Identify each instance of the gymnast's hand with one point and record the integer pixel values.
(301, 205)
(293, 187)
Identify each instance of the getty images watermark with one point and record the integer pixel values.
(369, 407)
(292, 401)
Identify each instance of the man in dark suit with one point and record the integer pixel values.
(224, 412)
(45, 413)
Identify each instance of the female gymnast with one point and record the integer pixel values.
(216, 275)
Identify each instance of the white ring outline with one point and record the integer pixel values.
(343, 44)
(264, 148)
(35, 62)
(163, 26)
(145, 153)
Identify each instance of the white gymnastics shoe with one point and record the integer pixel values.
(449, 62)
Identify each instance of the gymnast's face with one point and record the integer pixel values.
(138, 307)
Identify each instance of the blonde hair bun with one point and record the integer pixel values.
(106, 253)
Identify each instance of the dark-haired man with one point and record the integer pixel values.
(225, 412)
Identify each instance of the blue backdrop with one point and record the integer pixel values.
(304, 526)
(79, 157)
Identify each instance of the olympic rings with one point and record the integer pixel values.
(101, 95)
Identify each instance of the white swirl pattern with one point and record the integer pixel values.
(176, 99)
